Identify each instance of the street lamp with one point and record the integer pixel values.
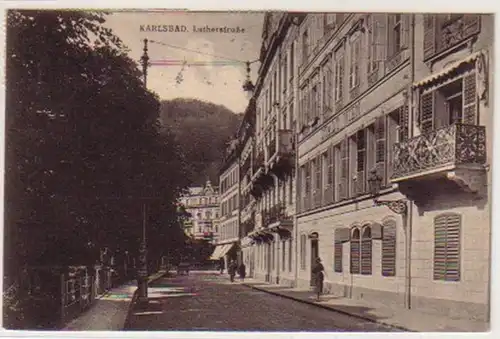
(248, 86)
(400, 207)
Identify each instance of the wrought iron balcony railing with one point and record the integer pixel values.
(274, 214)
(439, 150)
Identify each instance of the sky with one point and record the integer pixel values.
(220, 84)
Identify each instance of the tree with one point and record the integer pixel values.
(83, 143)
(207, 126)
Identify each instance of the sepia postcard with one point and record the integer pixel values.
(174, 170)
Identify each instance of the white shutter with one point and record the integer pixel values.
(389, 249)
(405, 30)
(380, 37)
(447, 247)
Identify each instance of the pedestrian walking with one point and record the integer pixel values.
(318, 271)
(242, 271)
(232, 270)
(221, 265)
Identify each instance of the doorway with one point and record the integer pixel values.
(314, 255)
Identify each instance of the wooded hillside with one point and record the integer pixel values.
(203, 130)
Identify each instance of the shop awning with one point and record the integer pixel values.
(435, 77)
(226, 249)
(221, 251)
(215, 255)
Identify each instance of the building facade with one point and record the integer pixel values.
(202, 204)
(386, 119)
(247, 201)
(272, 179)
(227, 243)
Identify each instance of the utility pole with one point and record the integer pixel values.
(142, 274)
(145, 62)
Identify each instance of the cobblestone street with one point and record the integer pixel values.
(206, 301)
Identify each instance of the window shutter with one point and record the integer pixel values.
(355, 252)
(362, 156)
(328, 183)
(299, 189)
(309, 185)
(447, 247)
(352, 169)
(318, 181)
(427, 112)
(338, 256)
(366, 252)
(380, 37)
(469, 96)
(331, 174)
(340, 85)
(327, 88)
(380, 148)
(429, 35)
(405, 32)
(344, 169)
(389, 249)
(404, 121)
(391, 48)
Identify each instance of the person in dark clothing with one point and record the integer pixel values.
(232, 270)
(221, 265)
(242, 271)
(318, 271)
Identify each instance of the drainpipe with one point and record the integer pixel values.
(408, 215)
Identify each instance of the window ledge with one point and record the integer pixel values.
(345, 202)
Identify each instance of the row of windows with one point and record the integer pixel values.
(282, 193)
(268, 254)
(229, 205)
(229, 181)
(278, 84)
(196, 201)
(228, 230)
(207, 215)
(327, 91)
(363, 58)
(446, 259)
(341, 172)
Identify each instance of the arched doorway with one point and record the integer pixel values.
(314, 254)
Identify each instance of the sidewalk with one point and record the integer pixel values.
(110, 310)
(407, 320)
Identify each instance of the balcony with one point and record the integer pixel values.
(258, 162)
(276, 220)
(282, 160)
(248, 225)
(456, 152)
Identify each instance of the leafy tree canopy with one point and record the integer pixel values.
(83, 143)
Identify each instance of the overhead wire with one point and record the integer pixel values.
(174, 62)
(184, 63)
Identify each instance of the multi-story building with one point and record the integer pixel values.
(202, 204)
(397, 105)
(392, 116)
(273, 175)
(246, 135)
(227, 244)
